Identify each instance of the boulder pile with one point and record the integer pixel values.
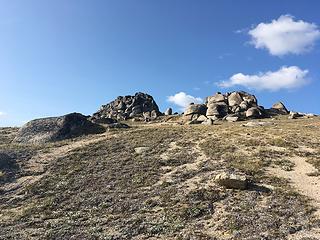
(57, 128)
(232, 107)
(140, 106)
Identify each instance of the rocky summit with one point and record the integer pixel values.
(234, 106)
(57, 128)
(141, 106)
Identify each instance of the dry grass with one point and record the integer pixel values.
(105, 190)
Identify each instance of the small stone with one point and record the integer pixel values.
(232, 118)
(231, 180)
(141, 150)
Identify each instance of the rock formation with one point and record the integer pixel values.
(232, 107)
(57, 128)
(140, 105)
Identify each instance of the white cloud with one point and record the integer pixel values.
(285, 36)
(182, 100)
(284, 78)
(2, 114)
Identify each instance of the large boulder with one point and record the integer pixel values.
(234, 99)
(199, 109)
(280, 108)
(218, 97)
(57, 128)
(219, 109)
(141, 105)
(254, 112)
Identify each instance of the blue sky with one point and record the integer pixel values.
(63, 56)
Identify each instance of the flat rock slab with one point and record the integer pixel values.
(57, 128)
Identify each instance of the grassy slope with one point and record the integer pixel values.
(105, 190)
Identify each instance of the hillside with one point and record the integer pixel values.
(156, 181)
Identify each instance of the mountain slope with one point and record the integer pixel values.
(156, 181)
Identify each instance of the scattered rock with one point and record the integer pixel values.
(140, 106)
(232, 180)
(294, 115)
(168, 112)
(232, 118)
(141, 150)
(57, 128)
(258, 124)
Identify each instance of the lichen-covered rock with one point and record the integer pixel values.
(57, 128)
(125, 107)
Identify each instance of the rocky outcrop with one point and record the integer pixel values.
(57, 128)
(232, 106)
(140, 105)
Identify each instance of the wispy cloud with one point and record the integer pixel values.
(285, 36)
(224, 55)
(284, 78)
(182, 100)
(2, 114)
